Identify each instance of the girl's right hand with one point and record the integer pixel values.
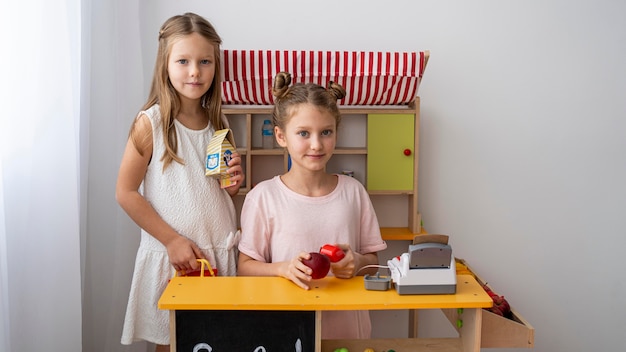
(296, 271)
(183, 254)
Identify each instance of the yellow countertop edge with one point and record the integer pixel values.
(185, 293)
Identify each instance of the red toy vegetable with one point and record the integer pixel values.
(333, 253)
(500, 304)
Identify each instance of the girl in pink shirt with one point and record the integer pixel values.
(288, 216)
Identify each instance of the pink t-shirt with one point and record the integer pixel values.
(278, 223)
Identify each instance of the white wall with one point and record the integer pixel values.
(523, 135)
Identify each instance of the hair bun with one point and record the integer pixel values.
(281, 83)
(336, 90)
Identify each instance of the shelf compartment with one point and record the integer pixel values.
(352, 152)
(398, 345)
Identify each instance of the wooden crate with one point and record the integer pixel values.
(498, 331)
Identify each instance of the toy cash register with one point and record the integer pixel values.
(427, 268)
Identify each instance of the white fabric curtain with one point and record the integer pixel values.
(40, 268)
(71, 82)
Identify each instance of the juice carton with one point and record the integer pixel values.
(218, 155)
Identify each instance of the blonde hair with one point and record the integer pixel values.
(288, 97)
(163, 93)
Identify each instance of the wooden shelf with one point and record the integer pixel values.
(398, 345)
(358, 151)
(399, 233)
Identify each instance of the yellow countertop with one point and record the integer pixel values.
(330, 293)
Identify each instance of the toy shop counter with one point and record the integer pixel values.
(273, 314)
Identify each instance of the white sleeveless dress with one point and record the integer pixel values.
(197, 208)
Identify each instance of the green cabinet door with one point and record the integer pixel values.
(390, 137)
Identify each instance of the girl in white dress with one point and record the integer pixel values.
(183, 214)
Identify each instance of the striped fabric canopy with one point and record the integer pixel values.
(370, 78)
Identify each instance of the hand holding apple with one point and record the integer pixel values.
(319, 263)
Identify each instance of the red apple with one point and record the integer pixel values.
(319, 263)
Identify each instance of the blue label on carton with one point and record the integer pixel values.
(212, 161)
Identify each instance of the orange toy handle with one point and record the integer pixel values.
(204, 262)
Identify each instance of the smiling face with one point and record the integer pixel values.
(310, 137)
(191, 66)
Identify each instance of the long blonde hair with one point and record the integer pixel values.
(163, 93)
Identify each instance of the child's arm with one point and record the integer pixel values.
(353, 262)
(182, 252)
(293, 270)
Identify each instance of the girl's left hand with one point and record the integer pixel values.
(236, 174)
(347, 266)
(353, 263)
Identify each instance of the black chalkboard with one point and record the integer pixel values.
(245, 331)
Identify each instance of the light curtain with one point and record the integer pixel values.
(40, 268)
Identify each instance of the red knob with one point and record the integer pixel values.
(407, 152)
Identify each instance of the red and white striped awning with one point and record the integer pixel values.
(370, 78)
